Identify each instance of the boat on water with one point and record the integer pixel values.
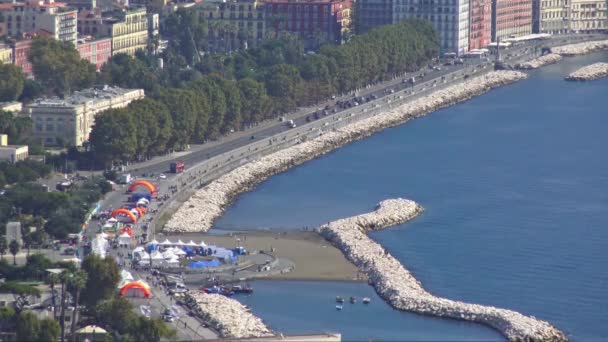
(218, 290)
(366, 300)
(338, 307)
(339, 299)
(353, 300)
(242, 289)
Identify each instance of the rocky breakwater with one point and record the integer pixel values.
(580, 48)
(590, 72)
(398, 286)
(200, 211)
(536, 63)
(229, 317)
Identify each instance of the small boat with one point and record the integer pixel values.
(338, 307)
(366, 300)
(242, 289)
(339, 299)
(353, 300)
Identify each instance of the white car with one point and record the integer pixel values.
(162, 176)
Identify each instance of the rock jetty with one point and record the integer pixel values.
(580, 48)
(590, 72)
(536, 63)
(398, 287)
(230, 318)
(200, 211)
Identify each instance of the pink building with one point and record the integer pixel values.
(98, 52)
(480, 34)
(511, 18)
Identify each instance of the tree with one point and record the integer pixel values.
(12, 81)
(77, 283)
(52, 280)
(102, 280)
(14, 249)
(114, 136)
(28, 327)
(58, 66)
(49, 330)
(3, 247)
(23, 293)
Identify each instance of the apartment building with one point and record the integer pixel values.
(98, 52)
(551, 16)
(6, 54)
(588, 16)
(373, 13)
(315, 21)
(41, 15)
(127, 29)
(69, 121)
(480, 34)
(511, 18)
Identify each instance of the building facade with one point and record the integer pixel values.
(511, 18)
(12, 106)
(69, 121)
(480, 34)
(127, 29)
(588, 16)
(553, 16)
(316, 22)
(6, 54)
(21, 50)
(449, 17)
(33, 15)
(13, 153)
(233, 25)
(373, 13)
(98, 52)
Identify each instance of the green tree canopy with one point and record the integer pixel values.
(58, 66)
(12, 81)
(102, 280)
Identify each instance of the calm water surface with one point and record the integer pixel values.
(515, 186)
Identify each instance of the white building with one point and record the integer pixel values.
(449, 17)
(13, 106)
(13, 232)
(11, 153)
(33, 15)
(554, 16)
(588, 16)
(69, 121)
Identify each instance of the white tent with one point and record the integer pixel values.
(142, 255)
(153, 242)
(166, 243)
(138, 249)
(172, 262)
(179, 251)
(112, 220)
(203, 244)
(179, 243)
(125, 277)
(124, 239)
(169, 254)
(157, 256)
(192, 243)
(103, 235)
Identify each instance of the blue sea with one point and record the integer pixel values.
(515, 187)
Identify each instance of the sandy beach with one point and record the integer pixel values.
(314, 257)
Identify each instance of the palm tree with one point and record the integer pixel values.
(13, 247)
(52, 280)
(77, 283)
(64, 277)
(3, 247)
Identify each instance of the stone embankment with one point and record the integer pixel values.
(230, 318)
(199, 212)
(590, 72)
(536, 63)
(580, 48)
(398, 286)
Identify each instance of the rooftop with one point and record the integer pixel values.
(81, 97)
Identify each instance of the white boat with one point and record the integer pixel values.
(338, 307)
(366, 300)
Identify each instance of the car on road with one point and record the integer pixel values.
(162, 176)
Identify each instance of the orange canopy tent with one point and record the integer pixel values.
(136, 289)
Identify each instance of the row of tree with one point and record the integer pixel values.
(224, 93)
(93, 287)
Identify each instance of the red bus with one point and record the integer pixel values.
(177, 167)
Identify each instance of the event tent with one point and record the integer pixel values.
(179, 243)
(178, 251)
(153, 242)
(192, 243)
(156, 255)
(136, 289)
(166, 243)
(124, 239)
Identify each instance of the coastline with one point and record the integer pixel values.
(201, 210)
(398, 287)
(589, 72)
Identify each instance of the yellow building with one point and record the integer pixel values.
(130, 33)
(234, 25)
(6, 54)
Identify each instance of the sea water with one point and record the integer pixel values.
(515, 187)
